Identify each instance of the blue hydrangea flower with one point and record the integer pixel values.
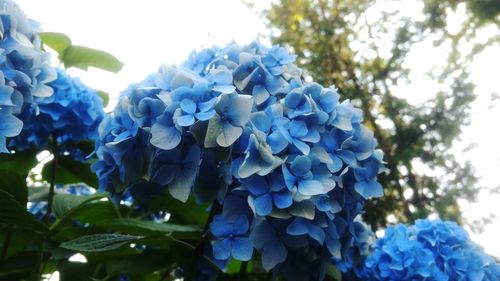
(72, 114)
(290, 164)
(232, 240)
(24, 69)
(300, 177)
(428, 250)
(268, 191)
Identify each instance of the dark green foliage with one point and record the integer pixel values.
(323, 34)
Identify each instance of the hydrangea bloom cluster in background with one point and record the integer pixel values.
(429, 250)
(73, 113)
(24, 68)
(288, 165)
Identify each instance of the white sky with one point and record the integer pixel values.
(144, 34)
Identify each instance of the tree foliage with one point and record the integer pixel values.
(362, 47)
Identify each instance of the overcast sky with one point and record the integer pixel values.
(144, 34)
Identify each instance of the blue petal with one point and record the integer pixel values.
(188, 106)
(293, 99)
(240, 226)
(290, 179)
(261, 121)
(165, 137)
(282, 199)
(241, 248)
(222, 249)
(302, 146)
(301, 165)
(235, 208)
(274, 254)
(263, 204)
(333, 246)
(316, 233)
(207, 105)
(185, 120)
(298, 227)
(236, 108)
(312, 136)
(277, 142)
(369, 189)
(204, 116)
(220, 228)
(256, 185)
(10, 126)
(310, 187)
(335, 165)
(225, 89)
(164, 175)
(262, 234)
(297, 128)
(260, 94)
(229, 134)
(3, 148)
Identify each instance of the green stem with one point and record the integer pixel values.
(243, 271)
(52, 181)
(5, 246)
(198, 251)
(50, 200)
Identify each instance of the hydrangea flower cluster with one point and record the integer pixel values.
(429, 250)
(72, 114)
(288, 165)
(24, 68)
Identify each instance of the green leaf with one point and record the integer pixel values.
(99, 242)
(69, 170)
(20, 240)
(14, 215)
(333, 272)
(199, 130)
(56, 41)
(20, 162)
(141, 227)
(15, 185)
(36, 194)
(84, 57)
(139, 264)
(97, 212)
(21, 263)
(104, 96)
(65, 204)
(181, 213)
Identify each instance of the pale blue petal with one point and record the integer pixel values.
(185, 120)
(188, 106)
(310, 187)
(369, 189)
(229, 135)
(165, 137)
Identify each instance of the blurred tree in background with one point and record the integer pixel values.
(361, 47)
